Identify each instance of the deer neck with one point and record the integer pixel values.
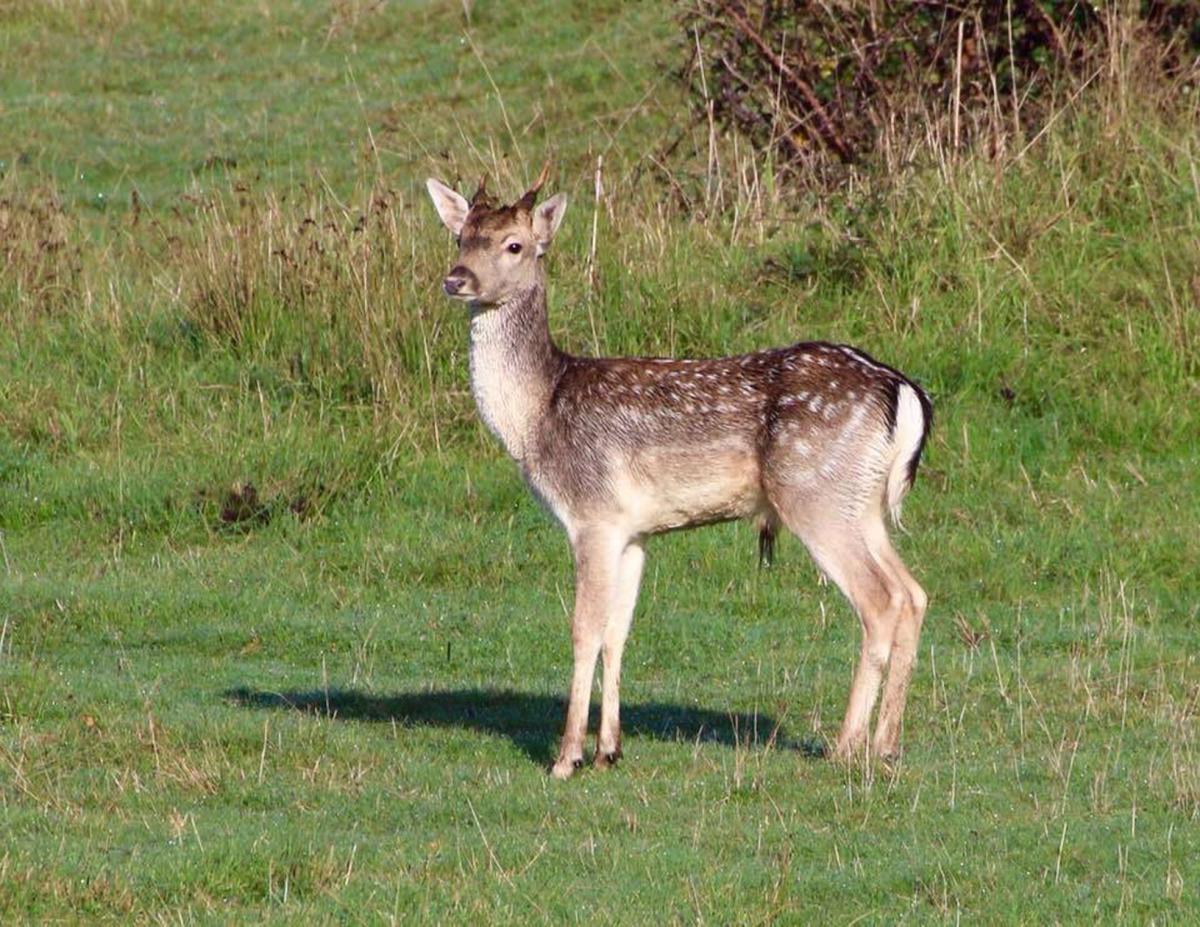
(514, 366)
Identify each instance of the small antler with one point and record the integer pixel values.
(526, 202)
(481, 197)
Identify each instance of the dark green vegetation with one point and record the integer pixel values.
(855, 82)
(332, 695)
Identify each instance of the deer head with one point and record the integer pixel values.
(499, 247)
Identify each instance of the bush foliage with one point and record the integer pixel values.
(826, 85)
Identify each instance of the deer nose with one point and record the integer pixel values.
(456, 280)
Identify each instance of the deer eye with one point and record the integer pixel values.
(514, 248)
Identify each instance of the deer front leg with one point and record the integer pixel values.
(597, 564)
(629, 577)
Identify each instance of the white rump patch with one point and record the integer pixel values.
(910, 427)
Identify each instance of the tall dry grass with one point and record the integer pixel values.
(705, 252)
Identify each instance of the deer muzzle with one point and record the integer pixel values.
(460, 282)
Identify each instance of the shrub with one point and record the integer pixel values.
(826, 86)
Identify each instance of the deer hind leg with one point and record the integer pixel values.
(597, 565)
(904, 650)
(629, 577)
(841, 549)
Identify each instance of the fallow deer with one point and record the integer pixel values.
(817, 437)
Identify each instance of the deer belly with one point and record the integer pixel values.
(672, 488)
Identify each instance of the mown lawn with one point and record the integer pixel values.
(334, 697)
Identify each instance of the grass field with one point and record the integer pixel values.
(282, 635)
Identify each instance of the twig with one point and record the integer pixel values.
(1057, 113)
(958, 86)
(592, 274)
(825, 127)
(487, 846)
(262, 757)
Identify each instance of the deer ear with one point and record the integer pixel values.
(546, 220)
(450, 206)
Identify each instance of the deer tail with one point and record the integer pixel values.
(913, 417)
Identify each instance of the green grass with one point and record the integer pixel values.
(341, 706)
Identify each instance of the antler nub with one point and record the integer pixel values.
(542, 178)
(481, 197)
(526, 202)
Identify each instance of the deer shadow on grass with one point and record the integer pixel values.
(532, 722)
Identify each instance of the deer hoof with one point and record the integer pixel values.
(606, 760)
(564, 768)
